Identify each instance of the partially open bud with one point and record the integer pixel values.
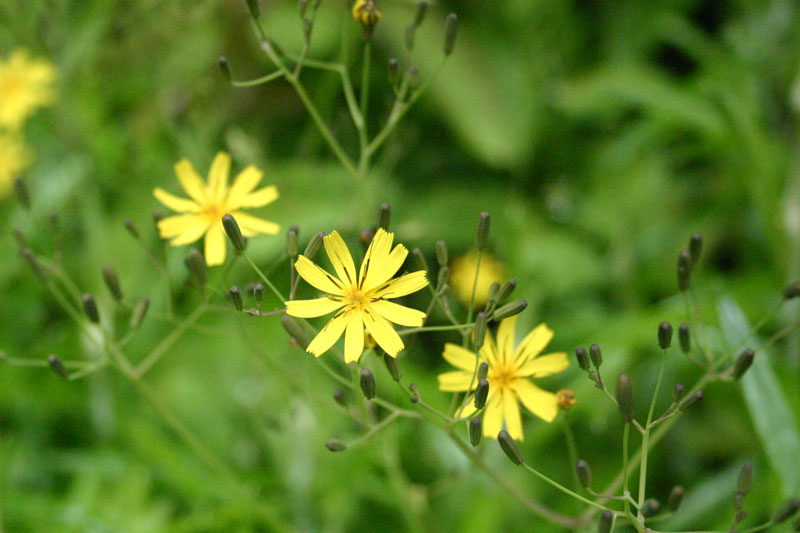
(684, 338)
(475, 431)
(565, 398)
(650, 507)
(509, 446)
(664, 335)
(596, 355)
(112, 282)
(695, 247)
(335, 445)
(606, 522)
(391, 366)
(584, 473)
(624, 393)
(295, 331)
(792, 291)
(675, 498)
(678, 391)
(225, 68)
(21, 190)
(743, 362)
(314, 245)
(684, 270)
(367, 381)
(384, 216)
(139, 312)
(235, 294)
(57, 366)
(510, 309)
(479, 333)
(90, 308)
(690, 400)
(745, 482)
(441, 253)
(233, 232)
(450, 32)
(340, 397)
(482, 233)
(366, 13)
(481, 393)
(583, 357)
(786, 511)
(196, 264)
(483, 371)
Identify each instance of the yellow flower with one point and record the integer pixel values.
(25, 84)
(202, 214)
(462, 276)
(360, 302)
(366, 13)
(14, 157)
(509, 373)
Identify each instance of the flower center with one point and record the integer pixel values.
(502, 376)
(214, 212)
(11, 88)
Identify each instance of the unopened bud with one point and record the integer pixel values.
(335, 445)
(450, 32)
(90, 308)
(57, 366)
(196, 264)
(494, 290)
(128, 223)
(483, 371)
(584, 473)
(225, 68)
(583, 357)
(420, 258)
(235, 294)
(792, 291)
(624, 393)
(314, 245)
(302, 5)
(391, 366)
(291, 242)
(481, 393)
(695, 247)
(367, 381)
(684, 270)
(340, 397)
(690, 400)
(23, 196)
(506, 290)
(664, 335)
(650, 507)
(743, 362)
(419, 15)
(475, 431)
(414, 392)
(745, 482)
(606, 522)
(675, 498)
(596, 355)
(158, 216)
(482, 233)
(786, 511)
(444, 275)
(509, 446)
(258, 292)
(139, 312)
(479, 333)
(441, 253)
(684, 338)
(384, 216)
(295, 331)
(678, 391)
(393, 70)
(234, 232)
(738, 501)
(510, 309)
(112, 282)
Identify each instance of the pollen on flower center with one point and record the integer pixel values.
(502, 376)
(357, 299)
(214, 212)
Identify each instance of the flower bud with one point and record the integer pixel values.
(678, 391)
(340, 397)
(129, 225)
(606, 522)
(745, 482)
(335, 445)
(683, 337)
(291, 242)
(482, 233)
(664, 335)
(650, 507)
(786, 511)
(252, 5)
(738, 501)
(450, 32)
(302, 5)
(158, 216)
(479, 332)
(393, 70)
(414, 392)
(391, 366)
(420, 257)
(441, 253)
(295, 331)
(583, 357)
(367, 381)
(596, 355)
(684, 270)
(225, 68)
(90, 308)
(742, 363)
(21, 190)
(584, 473)
(258, 292)
(475, 431)
(139, 312)
(509, 446)
(112, 282)
(444, 275)
(234, 232)
(196, 264)
(481, 393)
(675, 498)
(384, 216)
(792, 291)
(419, 15)
(494, 290)
(57, 366)
(314, 245)
(695, 247)
(624, 393)
(690, 400)
(483, 371)
(367, 15)
(235, 294)
(510, 309)
(506, 290)
(413, 77)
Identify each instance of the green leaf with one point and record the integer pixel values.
(768, 406)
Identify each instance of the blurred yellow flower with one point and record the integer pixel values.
(366, 13)
(509, 373)
(360, 301)
(208, 203)
(462, 276)
(14, 157)
(25, 84)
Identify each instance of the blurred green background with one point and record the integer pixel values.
(599, 135)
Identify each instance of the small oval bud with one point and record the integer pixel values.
(684, 270)
(196, 264)
(391, 366)
(745, 482)
(450, 32)
(650, 507)
(624, 394)
(131, 227)
(664, 335)
(225, 68)
(295, 331)
(414, 392)
(233, 232)
(235, 294)
(678, 391)
(444, 275)
(314, 245)
(384, 216)
(420, 258)
(90, 308)
(258, 292)
(441, 253)
(393, 69)
(606, 522)
(419, 15)
(340, 397)
(510, 309)
(367, 381)
(335, 445)
(792, 291)
(506, 290)
(509, 446)
(483, 371)
(684, 338)
(482, 233)
(158, 216)
(479, 332)
(690, 400)
(583, 357)
(695, 247)
(475, 431)
(481, 393)
(291, 242)
(21, 190)
(112, 282)
(743, 362)
(139, 312)
(675, 498)
(786, 511)
(57, 366)
(738, 502)
(596, 355)
(494, 290)
(584, 473)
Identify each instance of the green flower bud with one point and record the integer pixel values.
(235, 294)
(738, 501)
(139, 312)
(743, 362)
(258, 292)
(196, 264)
(21, 190)
(695, 247)
(479, 332)
(295, 331)
(420, 257)
(509, 447)
(90, 308)
(414, 393)
(664, 335)
(482, 233)
(233, 232)
(291, 242)
(419, 15)
(314, 245)
(786, 511)
(225, 68)
(678, 391)
(444, 275)
(606, 522)
(596, 355)
(57, 366)
(340, 397)
(494, 290)
(112, 282)
(745, 482)
(690, 400)
(684, 270)
(583, 357)
(624, 393)
(506, 290)
(510, 309)
(367, 381)
(131, 227)
(450, 32)
(675, 498)
(475, 431)
(391, 366)
(441, 253)
(384, 216)
(335, 445)
(481, 393)
(650, 507)
(584, 473)
(792, 291)
(483, 371)
(683, 337)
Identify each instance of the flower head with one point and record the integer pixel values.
(509, 376)
(208, 203)
(25, 84)
(360, 301)
(14, 157)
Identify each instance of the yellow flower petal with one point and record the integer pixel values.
(459, 357)
(544, 365)
(328, 336)
(511, 417)
(243, 185)
(215, 244)
(340, 258)
(190, 181)
(317, 277)
(260, 198)
(383, 333)
(533, 343)
(251, 225)
(493, 414)
(181, 205)
(505, 339)
(312, 308)
(218, 177)
(468, 409)
(405, 284)
(455, 381)
(399, 314)
(182, 224)
(353, 337)
(539, 402)
(374, 260)
(489, 351)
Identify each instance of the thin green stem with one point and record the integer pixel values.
(646, 439)
(375, 428)
(258, 81)
(264, 278)
(625, 435)
(562, 488)
(167, 342)
(420, 329)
